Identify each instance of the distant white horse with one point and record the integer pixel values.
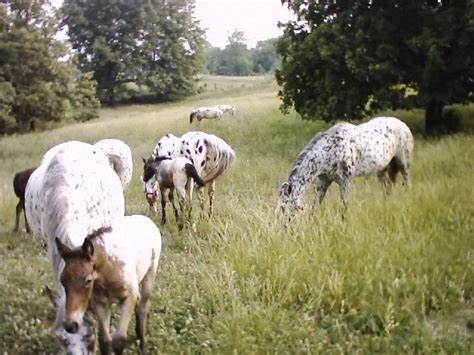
(383, 145)
(170, 174)
(205, 112)
(120, 157)
(210, 155)
(73, 192)
(226, 109)
(115, 264)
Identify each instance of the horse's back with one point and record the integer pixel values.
(135, 241)
(168, 146)
(81, 193)
(379, 141)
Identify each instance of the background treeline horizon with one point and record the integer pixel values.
(337, 61)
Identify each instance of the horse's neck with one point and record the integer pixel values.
(303, 172)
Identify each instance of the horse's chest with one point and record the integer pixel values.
(110, 290)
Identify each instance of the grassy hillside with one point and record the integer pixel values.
(396, 277)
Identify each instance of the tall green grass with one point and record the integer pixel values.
(396, 276)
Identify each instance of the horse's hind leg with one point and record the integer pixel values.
(171, 198)
(384, 180)
(181, 199)
(18, 213)
(211, 191)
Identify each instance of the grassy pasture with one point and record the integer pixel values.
(396, 277)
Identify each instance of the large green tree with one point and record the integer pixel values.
(154, 44)
(37, 84)
(348, 59)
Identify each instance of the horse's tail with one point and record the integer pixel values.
(219, 156)
(191, 171)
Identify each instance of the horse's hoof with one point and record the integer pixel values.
(119, 342)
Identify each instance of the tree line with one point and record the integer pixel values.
(118, 51)
(238, 60)
(337, 60)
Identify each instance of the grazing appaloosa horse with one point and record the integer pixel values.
(73, 192)
(113, 265)
(208, 153)
(20, 181)
(170, 174)
(383, 145)
(205, 112)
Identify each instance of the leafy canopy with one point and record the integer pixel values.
(348, 59)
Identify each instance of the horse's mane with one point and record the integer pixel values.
(300, 160)
(220, 154)
(98, 232)
(162, 158)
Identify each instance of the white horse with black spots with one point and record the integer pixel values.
(73, 192)
(383, 145)
(211, 156)
(226, 109)
(205, 112)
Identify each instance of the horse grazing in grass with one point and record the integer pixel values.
(115, 264)
(226, 109)
(20, 181)
(205, 112)
(208, 153)
(170, 174)
(73, 192)
(382, 145)
(120, 157)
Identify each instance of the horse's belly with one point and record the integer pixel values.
(373, 160)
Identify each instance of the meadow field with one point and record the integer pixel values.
(396, 276)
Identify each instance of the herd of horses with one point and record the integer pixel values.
(75, 201)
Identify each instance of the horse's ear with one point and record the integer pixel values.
(144, 160)
(63, 250)
(88, 249)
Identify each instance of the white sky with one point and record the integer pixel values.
(258, 19)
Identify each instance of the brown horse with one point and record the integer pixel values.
(19, 186)
(112, 266)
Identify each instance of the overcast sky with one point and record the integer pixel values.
(258, 19)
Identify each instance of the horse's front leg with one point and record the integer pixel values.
(103, 313)
(211, 190)
(322, 185)
(163, 206)
(119, 339)
(141, 309)
(344, 190)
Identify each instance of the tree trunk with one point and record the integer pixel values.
(434, 121)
